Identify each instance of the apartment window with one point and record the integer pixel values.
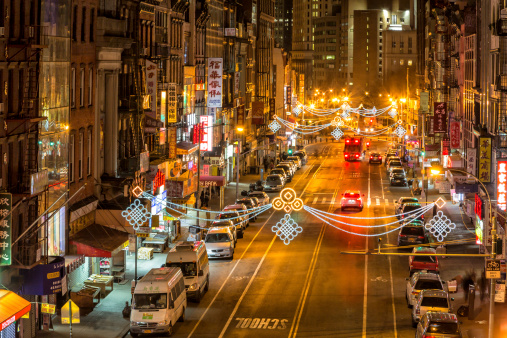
(381, 19)
(73, 88)
(89, 153)
(380, 27)
(410, 62)
(402, 20)
(83, 26)
(394, 44)
(395, 20)
(74, 24)
(92, 24)
(81, 87)
(71, 157)
(402, 44)
(90, 86)
(80, 160)
(402, 62)
(409, 42)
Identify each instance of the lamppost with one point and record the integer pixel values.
(437, 169)
(240, 130)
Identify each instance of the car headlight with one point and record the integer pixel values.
(193, 287)
(162, 323)
(133, 323)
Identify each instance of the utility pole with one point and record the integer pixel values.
(237, 168)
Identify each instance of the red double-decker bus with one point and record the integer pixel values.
(353, 148)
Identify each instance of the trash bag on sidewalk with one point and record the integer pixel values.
(463, 311)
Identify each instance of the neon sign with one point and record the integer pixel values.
(501, 187)
(159, 181)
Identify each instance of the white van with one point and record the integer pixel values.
(159, 301)
(192, 258)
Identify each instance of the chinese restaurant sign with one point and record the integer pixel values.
(5, 229)
(440, 117)
(455, 135)
(215, 82)
(478, 206)
(485, 159)
(207, 132)
(158, 182)
(501, 185)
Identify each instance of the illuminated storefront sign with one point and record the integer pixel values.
(215, 69)
(478, 206)
(172, 101)
(5, 229)
(501, 187)
(159, 181)
(207, 132)
(485, 159)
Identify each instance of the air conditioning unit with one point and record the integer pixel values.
(2, 31)
(145, 51)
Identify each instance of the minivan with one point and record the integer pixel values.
(192, 259)
(159, 301)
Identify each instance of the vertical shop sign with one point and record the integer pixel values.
(455, 135)
(240, 112)
(215, 82)
(485, 159)
(471, 160)
(289, 95)
(196, 134)
(172, 102)
(172, 142)
(163, 117)
(272, 110)
(159, 181)
(501, 187)
(236, 83)
(207, 132)
(302, 87)
(151, 86)
(440, 117)
(5, 229)
(258, 112)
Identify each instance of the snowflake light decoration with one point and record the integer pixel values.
(136, 214)
(374, 111)
(440, 226)
(393, 113)
(400, 131)
(287, 201)
(345, 106)
(337, 122)
(287, 229)
(337, 133)
(274, 126)
(345, 114)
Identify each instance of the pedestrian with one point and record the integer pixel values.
(202, 198)
(206, 200)
(468, 281)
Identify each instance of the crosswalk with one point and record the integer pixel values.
(372, 202)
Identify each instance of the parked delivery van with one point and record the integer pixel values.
(192, 258)
(159, 301)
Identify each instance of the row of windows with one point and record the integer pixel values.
(80, 152)
(82, 85)
(82, 21)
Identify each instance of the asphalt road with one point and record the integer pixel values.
(307, 288)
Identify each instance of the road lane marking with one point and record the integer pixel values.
(369, 201)
(378, 201)
(261, 323)
(332, 201)
(247, 287)
(315, 200)
(229, 276)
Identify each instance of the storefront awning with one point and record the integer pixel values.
(186, 148)
(12, 307)
(99, 241)
(83, 207)
(212, 181)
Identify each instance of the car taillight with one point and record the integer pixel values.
(357, 141)
(371, 157)
(425, 336)
(380, 157)
(403, 235)
(346, 155)
(357, 155)
(420, 237)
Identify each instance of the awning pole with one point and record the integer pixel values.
(46, 211)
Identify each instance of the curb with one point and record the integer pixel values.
(124, 331)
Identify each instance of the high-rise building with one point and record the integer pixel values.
(283, 24)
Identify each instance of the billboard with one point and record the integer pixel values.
(215, 70)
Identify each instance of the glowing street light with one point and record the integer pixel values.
(346, 98)
(240, 129)
(436, 169)
(403, 100)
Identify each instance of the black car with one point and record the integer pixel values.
(411, 211)
(375, 158)
(411, 234)
(398, 178)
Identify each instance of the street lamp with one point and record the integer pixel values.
(437, 169)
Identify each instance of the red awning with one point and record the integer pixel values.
(12, 307)
(99, 241)
(216, 181)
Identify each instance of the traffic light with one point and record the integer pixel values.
(423, 153)
(290, 151)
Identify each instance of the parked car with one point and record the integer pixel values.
(229, 224)
(411, 211)
(296, 160)
(401, 202)
(352, 199)
(302, 155)
(410, 235)
(423, 263)
(250, 204)
(422, 281)
(281, 172)
(287, 168)
(430, 301)
(375, 158)
(438, 325)
(220, 243)
(391, 156)
(398, 178)
(394, 165)
(274, 182)
(261, 196)
(292, 166)
(236, 218)
(241, 209)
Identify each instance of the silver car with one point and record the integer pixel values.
(261, 196)
(219, 243)
(430, 301)
(438, 325)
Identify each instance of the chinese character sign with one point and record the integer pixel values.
(478, 206)
(485, 159)
(172, 101)
(173, 149)
(151, 86)
(455, 135)
(215, 68)
(471, 160)
(289, 95)
(272, 109)
(501, 185)
(207, 132)
(236, 83)
(240, 113)
(257, 112)
(5, 229)
(440, 117)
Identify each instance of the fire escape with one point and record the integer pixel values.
(27, 51)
